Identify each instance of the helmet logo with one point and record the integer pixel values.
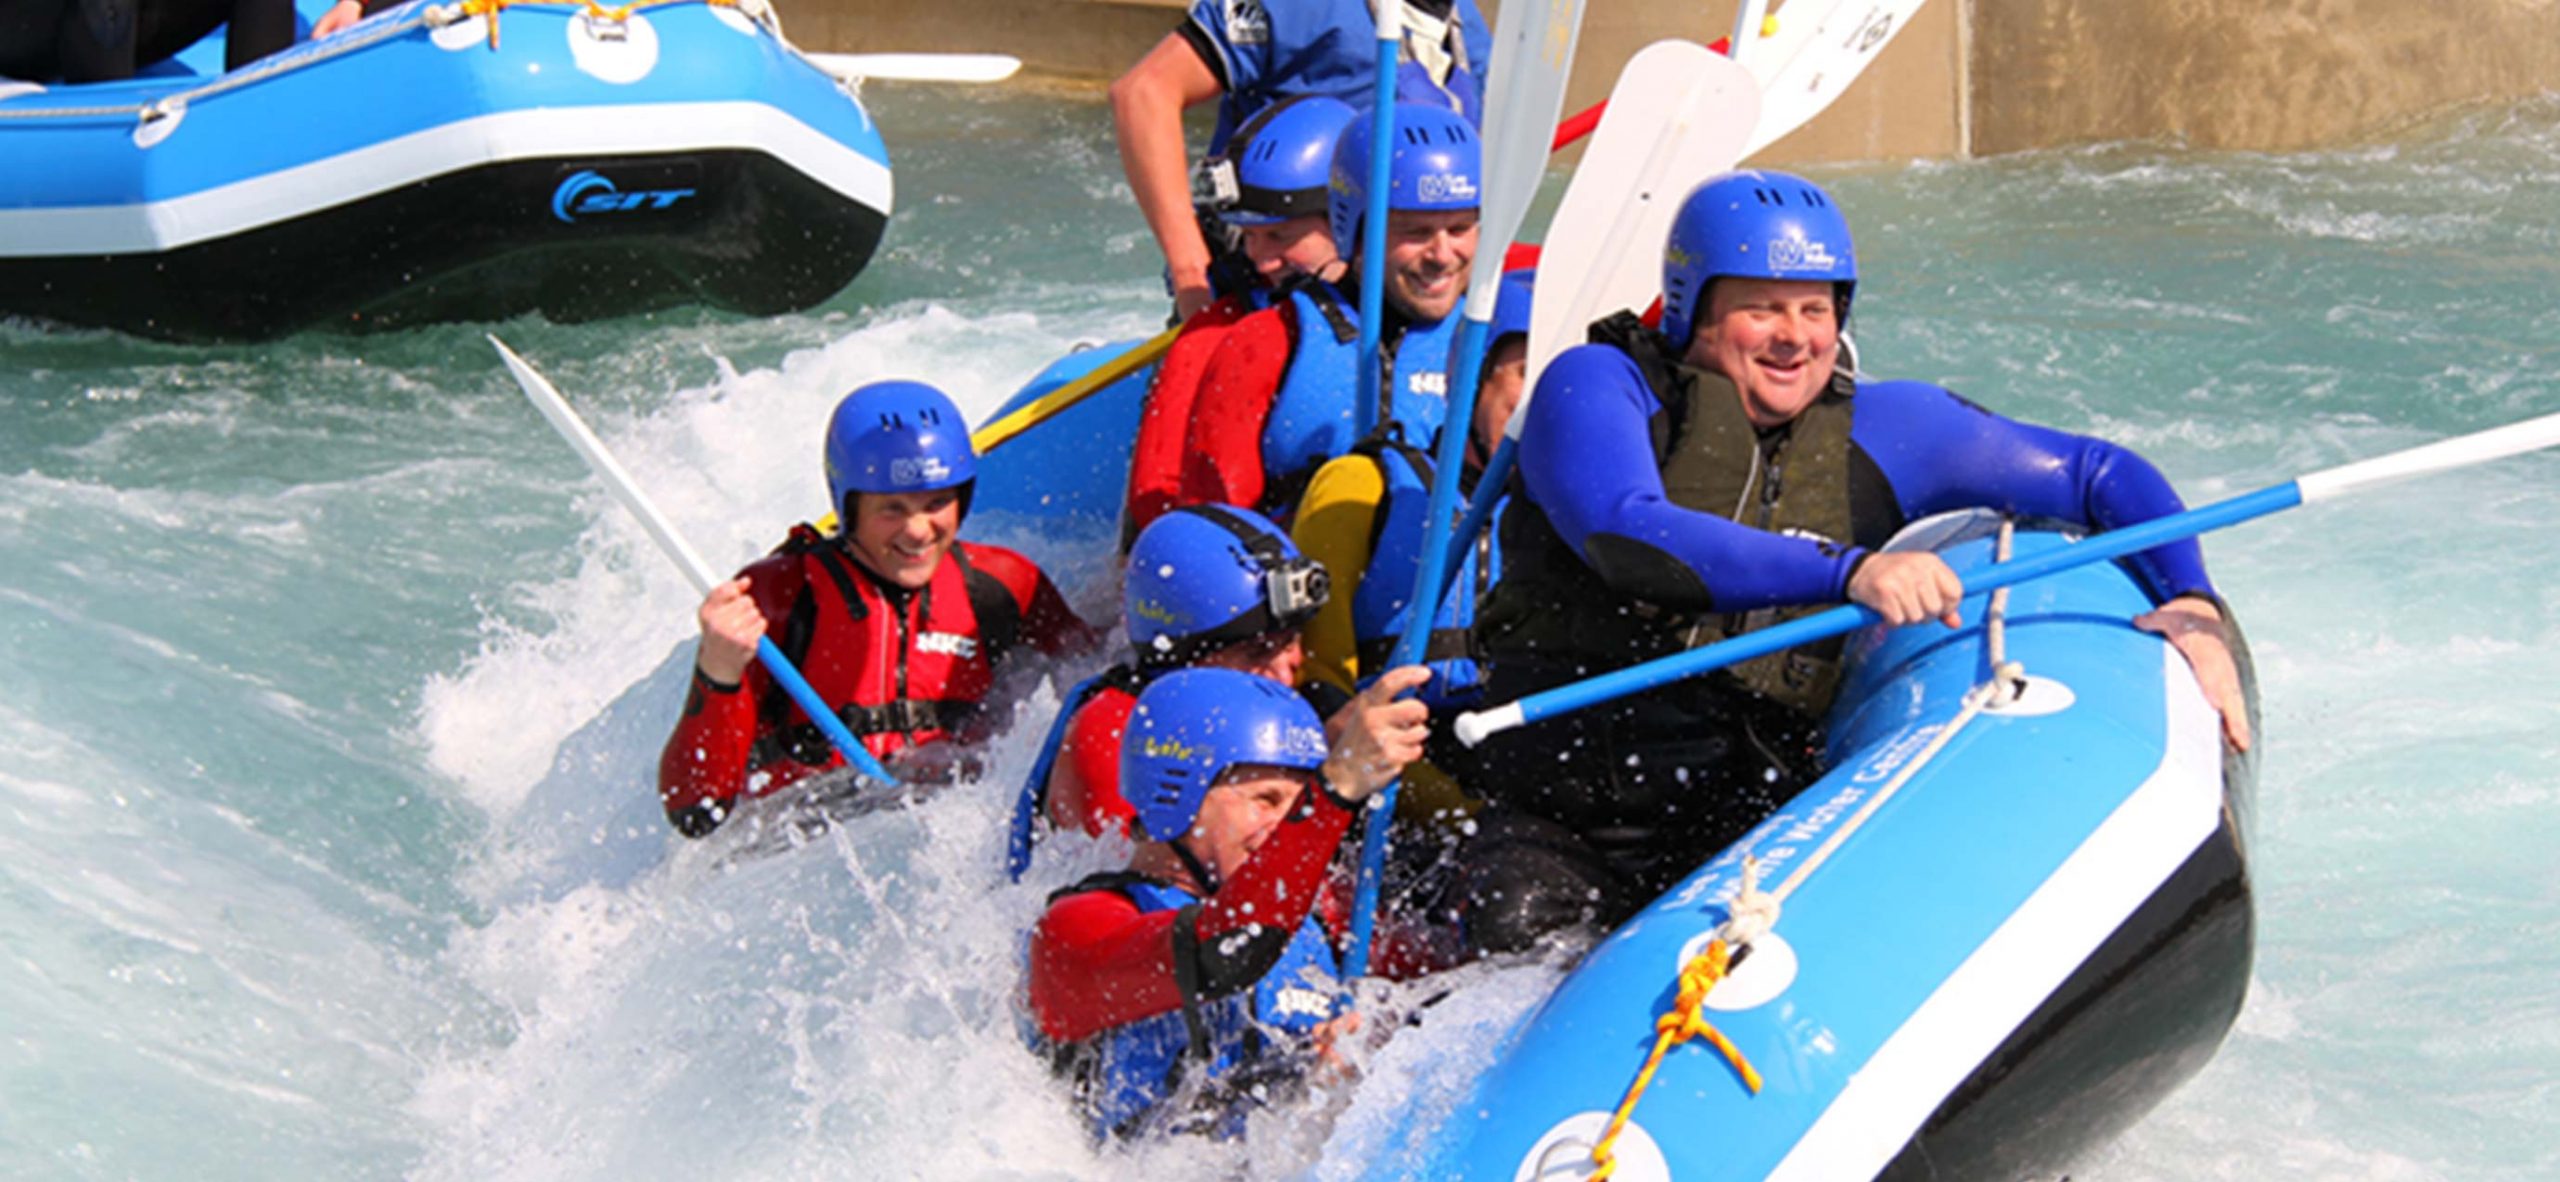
(1148, 609)
(1441, 187)
(917, 470)
(1304, 742)
(1796, 254)
(1173, 749)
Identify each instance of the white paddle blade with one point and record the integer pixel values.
(962, 68)
(1533, 58)
(2444, 455)
(546, 398)
(1680, 113)
(1820, 48)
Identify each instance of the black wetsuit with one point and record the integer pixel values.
(103, 40)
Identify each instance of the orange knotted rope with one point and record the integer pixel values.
(1697, 978)
(612, 15)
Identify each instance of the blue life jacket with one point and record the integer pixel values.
(1312, 418)
(1134, 1070)
(1380, 608)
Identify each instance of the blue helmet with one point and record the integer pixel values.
(897, 437)
(1277, 166)
(1206, 576)
(1192, 726)
(1438, 165)
(1755, 225)
(1511, 306)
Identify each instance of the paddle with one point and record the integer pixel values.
(1679, 113)
(1373, 225)
(2443, 455)
(1750, 23)
(1814, 55)
(1532, 58)
(591, 449)
(1040, 410)
(964, 68)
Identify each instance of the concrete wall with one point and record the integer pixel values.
(1967, 77)
(2272, 74)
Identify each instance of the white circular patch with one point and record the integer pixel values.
(620, 56)
(1564, 1154)
(460, 35)
(1757, 981)
(159, 126)
(2043, 695)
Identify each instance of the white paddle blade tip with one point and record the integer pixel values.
(964, 69)
(2461, 451)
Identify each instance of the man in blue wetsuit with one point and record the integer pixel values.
(1774, 477)
(1248, 54)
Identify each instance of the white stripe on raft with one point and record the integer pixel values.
(488, 139)
(1978, 1006)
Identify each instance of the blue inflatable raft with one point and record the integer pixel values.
(2007, 922)
(434, 163)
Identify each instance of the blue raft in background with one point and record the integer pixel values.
(426, 165)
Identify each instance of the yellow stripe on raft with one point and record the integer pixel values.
(995, 434)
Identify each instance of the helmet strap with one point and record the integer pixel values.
(1201, 875)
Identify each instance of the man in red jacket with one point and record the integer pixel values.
(1179, 991)
(891, 618)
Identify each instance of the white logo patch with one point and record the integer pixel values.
(948, 644)
(1248, 23)
(1444, 187)
(918, 471)
(1434, 383)
(1796, 254)
(1294, 1001)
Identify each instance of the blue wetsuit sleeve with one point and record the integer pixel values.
(1586, 453)
(1940, 452)
(1478, 37)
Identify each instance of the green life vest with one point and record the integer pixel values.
(1792, 480)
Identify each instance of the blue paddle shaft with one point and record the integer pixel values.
(1421, 609)
(1847, 617)
(1373, 234)
(1497, 472)
(829, 724)
(1364, 417)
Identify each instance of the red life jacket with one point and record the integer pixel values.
(905, 669)
(900, 673)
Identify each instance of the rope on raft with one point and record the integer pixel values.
(1753, 912)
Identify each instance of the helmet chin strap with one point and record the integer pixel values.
(1200, 873)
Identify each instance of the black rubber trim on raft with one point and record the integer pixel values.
(753, 235)
(2137, 1019)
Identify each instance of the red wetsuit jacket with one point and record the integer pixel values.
(903, 667)
(1155, 467)
(1222, 452)
(1098, 962)
(1084, 785)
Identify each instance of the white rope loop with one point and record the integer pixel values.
(1754, 913)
